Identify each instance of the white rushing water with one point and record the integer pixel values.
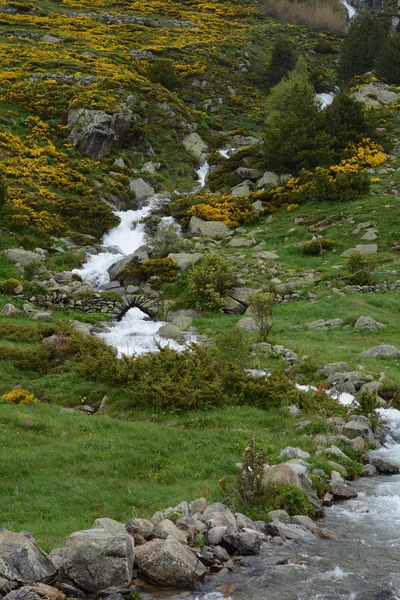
(135, 333)
(351, 11)
(325, 98)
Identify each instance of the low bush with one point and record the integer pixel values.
(209, 280)
(162, 71)
(167, 238)
(9, 286)
(27, 359)
(262, 305)
(361, 268)
(20, 332)
(317, 246)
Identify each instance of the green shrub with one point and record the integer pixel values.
(19, 332)
(162, 71)
(387, 64)
(262, 305)
(343, 187)
(320, 402)
(317, 246)
(232, 345)
(165, 239)
(361, 268)
(283, 60)
(164, 269)
(31, 270)
(27, 359)
(8, 286)
(209, 280)
(323, 46)
(3, 191)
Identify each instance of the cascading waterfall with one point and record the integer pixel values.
(135, 333)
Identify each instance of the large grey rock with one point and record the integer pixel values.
(94, 132)
(241, 294)
(215, 535)
(241, 243)
(242, 189)
(220, 515)
(385, 466)
(245, 541)
(166, 528)
(357, 429)
(109, 525)
(266, 255)
(247, 324)
(142, 190)
(51, 39)
(383, 350)
(9, 310)
(282, 475)
(195, 145)
(364, 322)
(96, 560)
(184, 260)
(213, 229)
(198, 506)
(375, 94)
(268, 179)
(291, 452)
(169, 563)
(22, 560)
(290, 532)
(362, 249)
(132, 260)
(140, 529)
(21, 257)
(169, 331)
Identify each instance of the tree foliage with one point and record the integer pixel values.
(283, 60)
(387, 63)
(294, 138)
(361, 45)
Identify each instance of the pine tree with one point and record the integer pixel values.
(283, 60)
(294, 138)
(361, 45)
(387, 65)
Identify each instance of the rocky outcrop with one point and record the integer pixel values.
(185, 260)
(195, 146)
(383, 350)
(129, 262)
(22, 561)
(96, 560)
(375, 93)
(95, 133)
(21, 257)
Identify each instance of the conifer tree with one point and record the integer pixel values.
(360, 47)
(387, 65)
(294, 138)
(283, 60)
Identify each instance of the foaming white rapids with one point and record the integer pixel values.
(128, 236)
(226, 153)
(202, 173)
(325, 99)
(351, 11)
(135, 333)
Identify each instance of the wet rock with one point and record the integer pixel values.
(170, 331)
(326, 534)
(303, 521)
(385, 466)
(246, 541)
(369, 471)
(169, 563)
(96, 560)
(22, 560)
(289, 532)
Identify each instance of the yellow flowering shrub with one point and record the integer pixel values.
(20, 396)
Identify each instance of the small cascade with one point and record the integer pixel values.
(351, 11)
(202, 173)
(325, 98)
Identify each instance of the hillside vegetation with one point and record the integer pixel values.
(244, 79)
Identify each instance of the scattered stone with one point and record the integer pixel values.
(21, 257)
(242, 189)
(289, 532)
(291, 452)
(282, 474)
(140, 529)
(321, 324)
(220, 515)
(9, 310)
(362, 249)
(170, 331)
(245, 542)
(167, 528)
(369, 236)
(195, 145)
(364, 322)
(383, 350)
(279, 515)
(268, 179)
(241, 243)
(51, 39)
(247, 324)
